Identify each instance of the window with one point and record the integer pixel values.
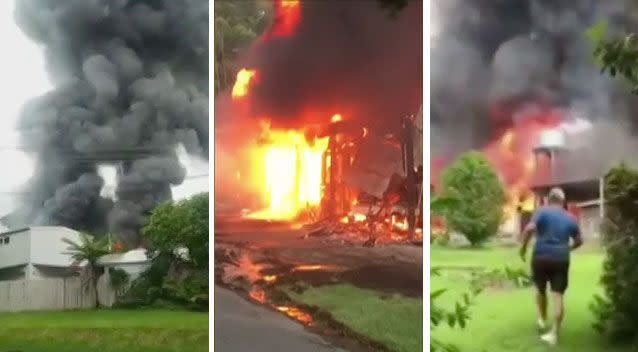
(6, 240)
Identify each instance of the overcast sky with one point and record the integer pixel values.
(23, 76)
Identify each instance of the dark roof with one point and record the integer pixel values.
(575, 190)
(11, 232)
(570, 167)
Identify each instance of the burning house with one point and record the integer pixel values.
(317, 122)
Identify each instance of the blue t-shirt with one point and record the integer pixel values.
(554, 228)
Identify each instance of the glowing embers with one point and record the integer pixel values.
(242, 83)
(296, 314)
(258, 295)
(316, 267)
(288, 169)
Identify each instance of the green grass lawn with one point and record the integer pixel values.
(395, 321)
(504, 319)
(104, 331)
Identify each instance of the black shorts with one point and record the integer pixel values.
(552, 271)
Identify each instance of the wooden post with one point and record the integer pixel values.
(297, 175)
(601, 196)
(332, 185)
(408, 142)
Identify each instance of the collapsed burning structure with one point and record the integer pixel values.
(536, 60)
(322, 113)
(131, 83)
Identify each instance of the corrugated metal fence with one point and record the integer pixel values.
(45, 294)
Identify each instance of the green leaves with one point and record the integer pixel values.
(440, 205)
(479, 197)
(615, 310)
(89, 248)
(237, 25)
(598, 32)
(458, 316)
(182, 225)
(617, 56)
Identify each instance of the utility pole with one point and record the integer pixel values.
(408, 158)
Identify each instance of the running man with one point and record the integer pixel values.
(554, 227)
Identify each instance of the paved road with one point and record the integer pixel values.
(241, 326)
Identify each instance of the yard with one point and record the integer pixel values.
(393, 320)
(504, 319)
(104, 331)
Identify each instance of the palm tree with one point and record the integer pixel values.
(89, 250)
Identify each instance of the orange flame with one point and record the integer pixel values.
(336, 118)
(288, 170)
(512, 155)
(315, 267)
(242, 83)
(287, 17)
(270, 278)
(296, 314)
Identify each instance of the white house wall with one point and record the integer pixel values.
(16, 252)
(48, 247)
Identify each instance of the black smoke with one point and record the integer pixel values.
(349, 57)
(496, 52)
(131, 83)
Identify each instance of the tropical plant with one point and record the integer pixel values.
(87, 251)
(479, 195)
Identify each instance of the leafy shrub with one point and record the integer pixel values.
(458, 317)
(190, 290)
(616, 311)
(118, 279)
(438, 228)
(149, 286)
(480, 195)
(178, 275)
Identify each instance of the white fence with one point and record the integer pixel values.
(45, 294)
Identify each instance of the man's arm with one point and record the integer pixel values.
(529, 230)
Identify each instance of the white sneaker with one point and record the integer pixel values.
(541, 324)
(550, 338)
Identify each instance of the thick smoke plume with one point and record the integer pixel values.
(489, 53)
(131, 83)
(348, 57)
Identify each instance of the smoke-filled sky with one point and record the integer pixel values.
(25, 77)
(347, 57)
(128, 86)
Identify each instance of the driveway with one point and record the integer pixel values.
(241, 326)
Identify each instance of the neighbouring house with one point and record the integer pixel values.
(133, 262)
(37, 252)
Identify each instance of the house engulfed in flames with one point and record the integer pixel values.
(326, 161)
(532, 157)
